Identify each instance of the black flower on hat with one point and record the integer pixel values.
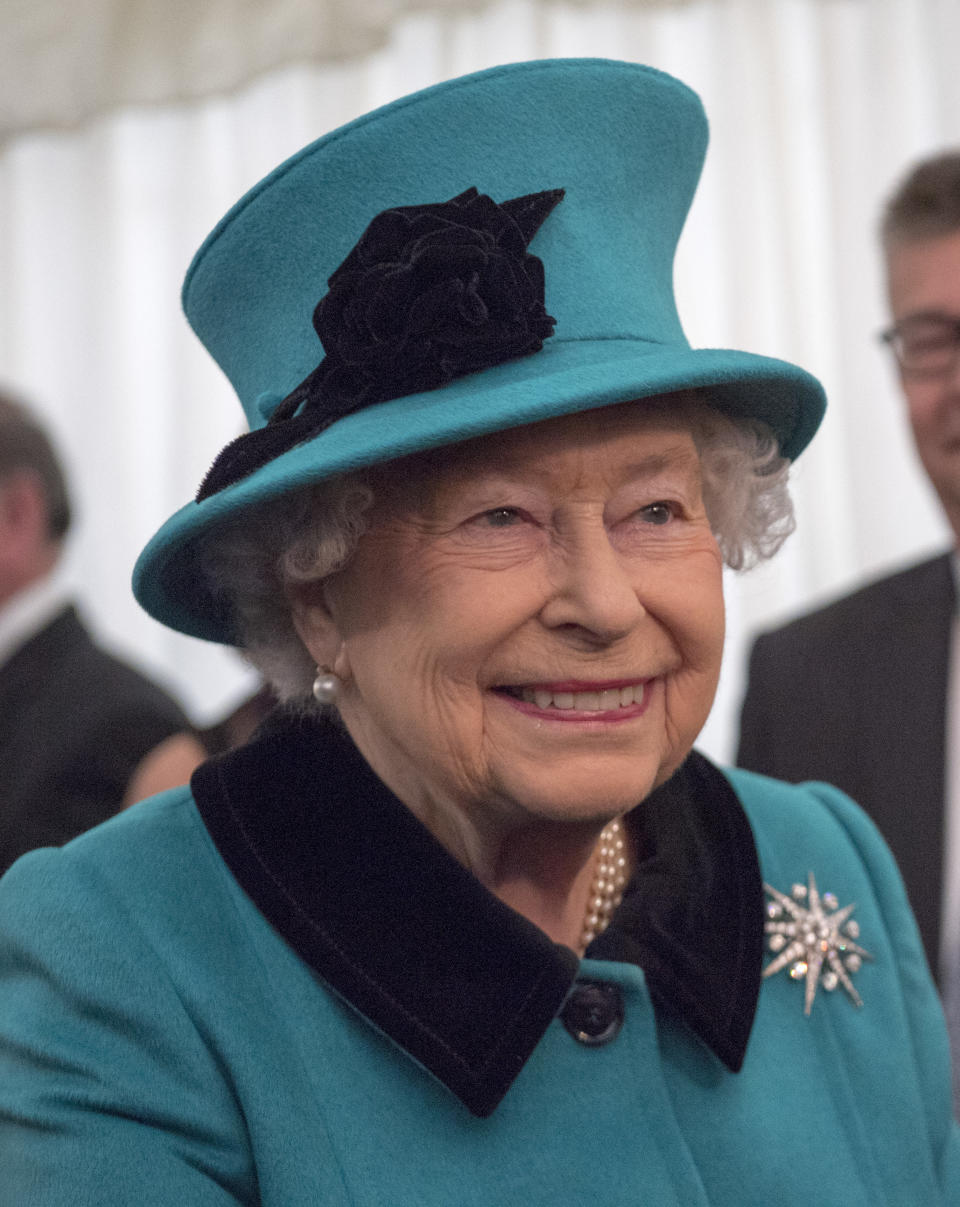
(430, 293)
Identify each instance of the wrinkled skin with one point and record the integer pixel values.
(574, 554)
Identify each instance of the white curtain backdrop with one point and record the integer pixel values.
(60, 68)
(816, 107)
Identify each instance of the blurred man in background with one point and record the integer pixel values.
(865, 693)
(74, 721)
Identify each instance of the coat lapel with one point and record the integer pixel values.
(396, 927)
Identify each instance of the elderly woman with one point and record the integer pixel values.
(467, 921)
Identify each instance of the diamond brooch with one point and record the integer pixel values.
(814, 939)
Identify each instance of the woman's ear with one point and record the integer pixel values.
(316, 626)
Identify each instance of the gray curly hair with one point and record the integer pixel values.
(308, 534)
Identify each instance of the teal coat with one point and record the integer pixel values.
(162, 1042)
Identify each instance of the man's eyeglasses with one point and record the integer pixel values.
(925, 345)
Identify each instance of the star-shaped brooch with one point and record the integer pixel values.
(814, 939)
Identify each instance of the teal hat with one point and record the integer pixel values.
(556, 190)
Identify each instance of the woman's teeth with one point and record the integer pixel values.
(602, 701)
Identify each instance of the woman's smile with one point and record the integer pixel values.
(576, 701)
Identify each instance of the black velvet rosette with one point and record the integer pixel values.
(430, 293)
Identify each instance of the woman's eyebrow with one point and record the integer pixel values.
(678, 457)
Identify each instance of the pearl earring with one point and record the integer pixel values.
(326, 686)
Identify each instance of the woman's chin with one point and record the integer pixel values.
(578, 797)
(596, 775)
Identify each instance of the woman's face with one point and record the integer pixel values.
(532, 626)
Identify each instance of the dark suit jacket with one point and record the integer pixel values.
(74, 722)
(855, 694)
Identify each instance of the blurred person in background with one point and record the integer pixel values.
(75, 721)
(865, 692)
(175, 760)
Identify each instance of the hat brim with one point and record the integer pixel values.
(565, 377)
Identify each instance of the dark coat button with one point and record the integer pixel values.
(593, 1012)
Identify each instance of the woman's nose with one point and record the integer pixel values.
(593, 591)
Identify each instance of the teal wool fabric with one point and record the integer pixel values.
(161, 1044)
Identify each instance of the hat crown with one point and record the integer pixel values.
(625, 142)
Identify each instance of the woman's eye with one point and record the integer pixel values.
(501, 517)
(498, 525)
(657, 513)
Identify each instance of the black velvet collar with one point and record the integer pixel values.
(376, 906)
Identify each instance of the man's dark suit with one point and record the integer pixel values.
(856, 694)
(74, 722)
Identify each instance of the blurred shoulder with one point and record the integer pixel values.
(845, 618)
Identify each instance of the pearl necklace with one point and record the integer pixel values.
(609, 881)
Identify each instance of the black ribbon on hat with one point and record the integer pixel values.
(430, 293)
